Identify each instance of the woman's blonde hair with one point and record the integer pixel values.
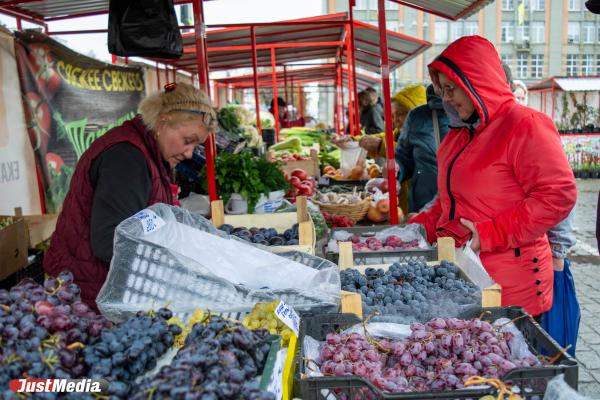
(183, 102)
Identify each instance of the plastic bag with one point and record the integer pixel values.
(558, 389)
(471, 264)
(146, 28)
(407, 233)
(196, 204)
(311, 353)
(519, 348)
(387, 330)
(351, 156)
(166, 254)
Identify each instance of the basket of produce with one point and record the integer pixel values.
(494, 348)
(353, 205)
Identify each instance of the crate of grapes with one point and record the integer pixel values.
(370, 250)
(455, 289)
(286, 231)
(389, 369)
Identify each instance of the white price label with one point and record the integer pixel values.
(288, 316)
(150, 221)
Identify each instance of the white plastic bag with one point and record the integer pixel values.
(197, 204)
(471, 264)
(387, 330)
(558, 389)
(351, 155)
(165, 254)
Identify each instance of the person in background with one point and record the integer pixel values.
(402, 103)
(123, 172)
(371, 114)
(282, 110)
(416, 150)
(520, 92)
(502, 174)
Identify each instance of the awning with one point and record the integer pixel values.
(568, 84)
(302, 76)
(451, 9)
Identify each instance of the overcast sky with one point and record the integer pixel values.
(216, 12)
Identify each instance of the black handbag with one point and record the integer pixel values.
(146, 28)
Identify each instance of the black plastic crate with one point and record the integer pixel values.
(381, 256)
(34, 270)
(351, 387)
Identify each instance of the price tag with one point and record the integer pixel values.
(150, 221)
(288, 316)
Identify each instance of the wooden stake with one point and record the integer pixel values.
(346, 258)
(217, 213)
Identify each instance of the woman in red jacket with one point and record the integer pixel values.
(502, 173)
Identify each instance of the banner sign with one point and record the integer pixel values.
(70, 100)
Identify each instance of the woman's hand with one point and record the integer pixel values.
(370, 143)
(475, 243)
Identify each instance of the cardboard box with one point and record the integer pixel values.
(40, 227)
(14, 241)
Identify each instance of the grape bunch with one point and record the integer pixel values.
(130, 349)
(263, 316)
(439, 355)
(264, 236)
(44, 328)
(412, 291)
(221, 359)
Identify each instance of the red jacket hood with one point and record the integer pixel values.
(472, 63)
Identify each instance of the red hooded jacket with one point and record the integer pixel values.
(509, 175)
(71, 247)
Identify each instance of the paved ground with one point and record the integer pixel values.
(586, 271)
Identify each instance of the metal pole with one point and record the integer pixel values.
(292, 98)
(19, 26)
(167, 79)
(389, 135)
(337, 100)
(158, 75)
(350, 92)
(285, 91)
(342, 102)
(275, 105)
(215, 94)
(300, 105)
(255, 78)
(175, 74)
(202, 61)
(356, 111)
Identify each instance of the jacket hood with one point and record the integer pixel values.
(434, 102)
(483, 80)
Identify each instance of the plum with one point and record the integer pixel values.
(374, 244)
(226, 228)
(277, 241)
(271, 233)
(238, 229)
(293, 242)
(258, 238)
(288, 234)
(393, 241)
(355, 238)
(253, 230)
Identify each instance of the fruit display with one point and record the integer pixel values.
(332, 198)
(379, 209)
(264, 236)
(221, 359)
(286, 156)
(337, 221)
(391, 243)
(301, 184)
(413, 291)
(263, 316)
(441, 354)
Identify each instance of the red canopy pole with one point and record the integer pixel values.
(342, 102)
(356, 112)
(337, 100)
(350, 92)
(175, 75)
(275, 105)
(202, 61)
(389, 135)
(300, 105)
(255, 78)
(158, 75)
(19, 25)
(167, 79)
(285, 90)
(215, 94)
(292, 97)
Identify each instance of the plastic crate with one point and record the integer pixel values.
(383, 256)
(534, 380)
(34, 270)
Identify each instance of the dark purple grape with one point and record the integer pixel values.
(65, 277)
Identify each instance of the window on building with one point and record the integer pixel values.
(572, 64)
(523, 31)
(456, 30)
(508, 34)
(574, 35)
(537, 66)
(471, 28)
(522, 65)
(390, 5)
(574, 5)
(508, 5)
(507, 59)
(587, 64)
(441, 32)
(537, 32)
(589, 32)
(598, 64)
(537, 5)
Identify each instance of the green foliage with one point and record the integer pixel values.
(247, 175)
(58, 187)
(4, 222)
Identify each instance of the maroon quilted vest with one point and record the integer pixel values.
(70, 247)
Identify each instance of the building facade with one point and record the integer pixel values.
(536, 38)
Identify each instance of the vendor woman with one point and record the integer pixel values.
(123, 172)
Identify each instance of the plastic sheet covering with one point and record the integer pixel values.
(558, 389)
(166, 255)
(406, 233)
